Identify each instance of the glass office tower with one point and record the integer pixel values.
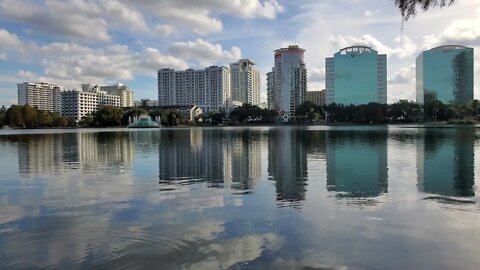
(356, 75)
(446, 73)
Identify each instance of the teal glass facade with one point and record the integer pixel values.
(356, 75)
(445, 72)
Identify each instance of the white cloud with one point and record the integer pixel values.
(152, 60)
(316, 74)
(197, 15)
(77, 19)
(461, 31)
(71, 19)
(8, 40)
(404, 46)
(405, 75)
(163, 30)
(3, 56)
(204, 52)
(369, 13)
(69, 65)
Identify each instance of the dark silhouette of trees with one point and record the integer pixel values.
(252, 113)
(108, 116)
(408, 8)
(31, 117)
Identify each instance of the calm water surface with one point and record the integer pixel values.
(238, 198)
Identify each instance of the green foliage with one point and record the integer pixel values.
(108, 116)
(405, 111)
(247, 111)
(131, 113)
(216, 118)
(13, 117)
(308, 112)
(31, 117)
(45, 119)
(3, 112)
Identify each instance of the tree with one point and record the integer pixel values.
(308, 111)
(108, 116)
(474, 105)
(45, 119)
(61, 121)
(3, 112)
(408, 8)
(13, 116)
(30, 116)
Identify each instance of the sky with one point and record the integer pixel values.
(70, 42)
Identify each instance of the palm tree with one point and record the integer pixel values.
(408, 8)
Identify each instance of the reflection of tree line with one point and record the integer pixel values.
(55, 153)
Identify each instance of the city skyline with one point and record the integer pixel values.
(67, 54)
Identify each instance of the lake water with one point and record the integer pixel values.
(241, 198)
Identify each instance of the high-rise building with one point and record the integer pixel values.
(77, 104)
(217, 88)
(209, 88)
(270, 83)
(44, 96)
(316, 97)
(356, 75)
(121, 90)
(445, 73)
(244, 83)
(289, 86)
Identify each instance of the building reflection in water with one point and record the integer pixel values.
(357, 163)
(445, 162)
(287, 164)
(215, 156)
(44, 154)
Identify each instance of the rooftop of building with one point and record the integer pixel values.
(449, 48)
(291, 48)
(356, 49)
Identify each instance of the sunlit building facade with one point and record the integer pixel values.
(356, 75)
(209, 88)
(445, 73)
(244, 83)
(287, 81)
(44, 96)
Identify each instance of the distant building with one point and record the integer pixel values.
(316, 97)
(209, 89)
(447, 71)
(356, 75)
(78, 104)
(44, 96)
(287, 83)
(244, 83)
(145, 103)
(121, 90)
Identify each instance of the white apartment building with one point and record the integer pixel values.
(45, 96)
(209, 89)
(78, 104)
(121, 90)
(244, 83)
(287, 81)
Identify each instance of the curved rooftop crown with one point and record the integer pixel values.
(448, 47)
(356, 49)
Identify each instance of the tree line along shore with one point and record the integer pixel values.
(307, 113)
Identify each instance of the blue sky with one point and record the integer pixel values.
(69, 42)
